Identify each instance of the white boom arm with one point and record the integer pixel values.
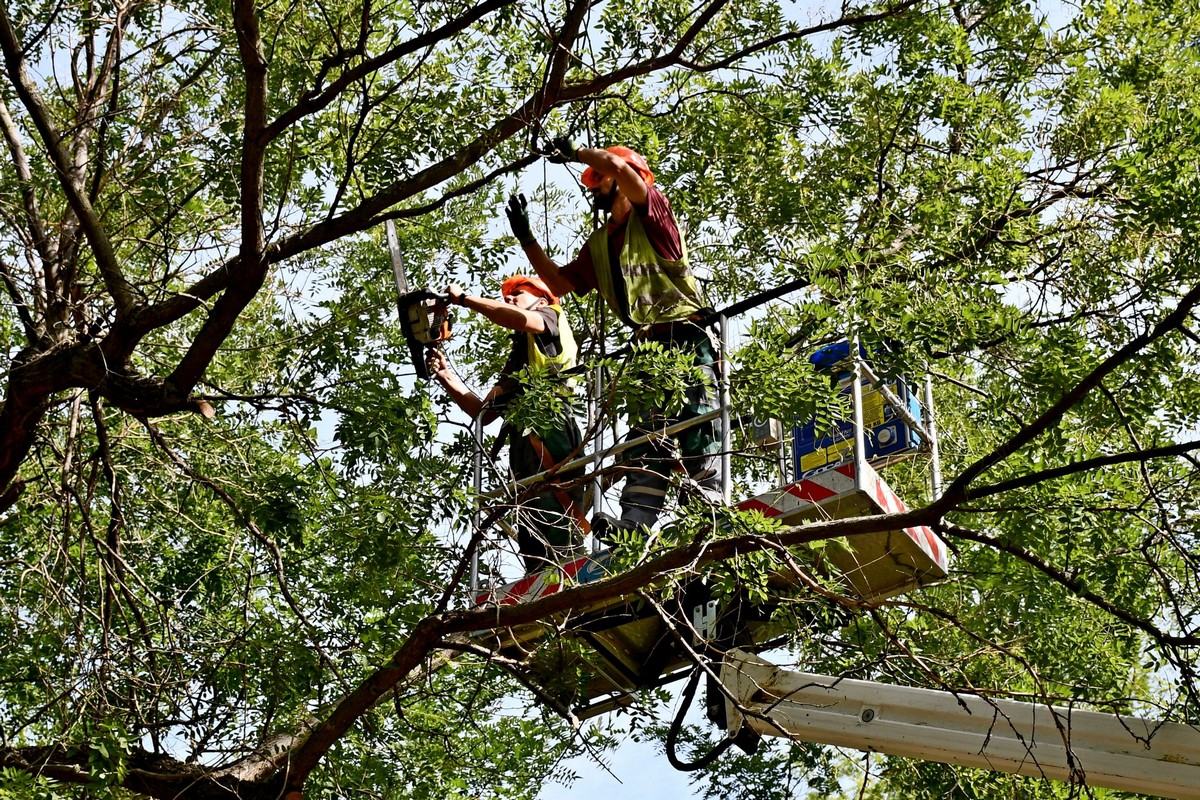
(1127, 753)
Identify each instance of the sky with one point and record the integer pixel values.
(638, 772)
(635, 770)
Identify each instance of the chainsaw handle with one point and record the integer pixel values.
(425, 294)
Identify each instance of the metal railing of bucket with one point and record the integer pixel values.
(925, 428)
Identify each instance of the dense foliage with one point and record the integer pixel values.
(234, 531)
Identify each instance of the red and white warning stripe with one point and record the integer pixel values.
(811, 491)
(536, 585)
(923, 535)
(837, 482)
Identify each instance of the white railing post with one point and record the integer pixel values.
(726, 425)
(935, 461)
(595, 423)
(860, 445)
(477, 430)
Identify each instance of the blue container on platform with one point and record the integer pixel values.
(888, 438)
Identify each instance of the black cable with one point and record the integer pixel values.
(689, 693)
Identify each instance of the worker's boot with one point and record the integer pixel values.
(704, 485)
(604, 526)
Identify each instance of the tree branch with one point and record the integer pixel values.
(1055, 413)
(1074, 585)
(247, 274)
(316, 100)
(1087, 465)
(784, 38)
(118, 287)
(32, 331)
(429, 631)
(33, 215)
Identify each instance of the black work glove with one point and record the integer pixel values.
(563, 150)
(518, 219)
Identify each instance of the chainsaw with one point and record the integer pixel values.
(425, 317)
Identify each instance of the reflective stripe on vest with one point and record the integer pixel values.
(656, 289)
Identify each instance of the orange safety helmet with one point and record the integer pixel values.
(532, 285)
(591, 179)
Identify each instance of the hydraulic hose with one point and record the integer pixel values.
(689, 693)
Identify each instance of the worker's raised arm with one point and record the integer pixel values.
(518, 219)
(628, 179)
(503, 314)
(624, 166)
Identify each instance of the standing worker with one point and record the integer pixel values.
(639, 264)
(550, 526)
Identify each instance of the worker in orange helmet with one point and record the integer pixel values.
(550, 526)
(638, 263)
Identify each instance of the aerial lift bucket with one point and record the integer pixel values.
(873, 565)
(627, 642)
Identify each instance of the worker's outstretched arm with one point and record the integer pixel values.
(518, 219)
(511, 317)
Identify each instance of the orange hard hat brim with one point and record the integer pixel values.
(521, 282)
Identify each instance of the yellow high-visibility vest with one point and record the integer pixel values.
(656, 289)
(541, 363)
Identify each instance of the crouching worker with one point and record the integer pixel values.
(550, 525)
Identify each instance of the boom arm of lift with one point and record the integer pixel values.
(1086, 747)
